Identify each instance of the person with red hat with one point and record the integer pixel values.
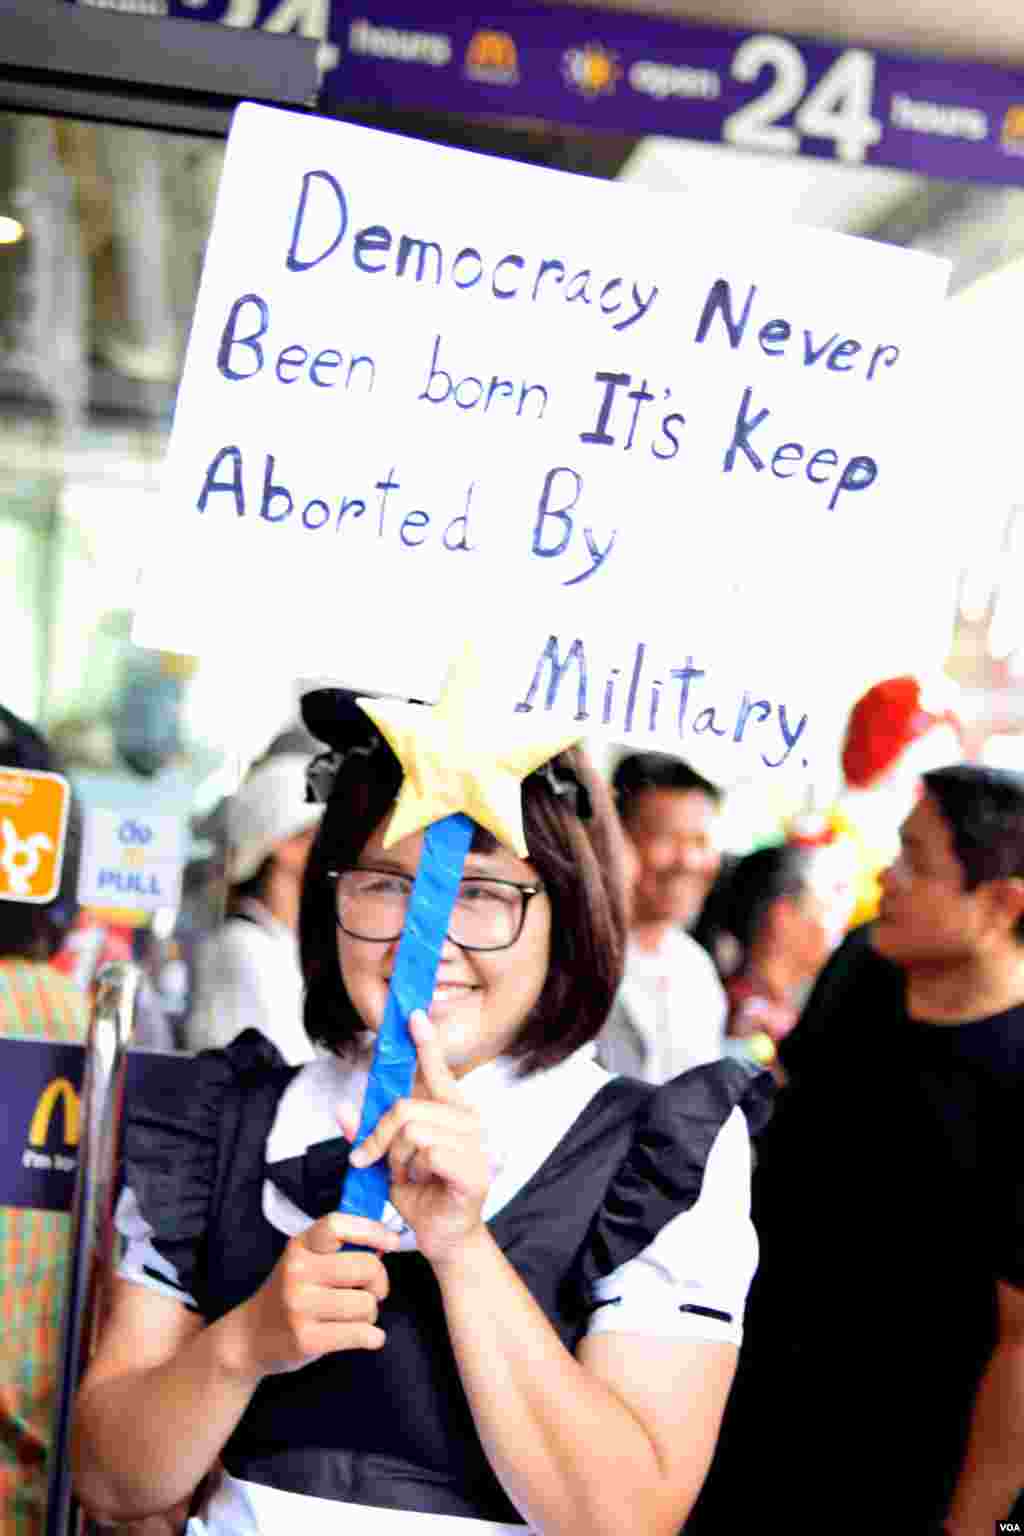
(883, 723)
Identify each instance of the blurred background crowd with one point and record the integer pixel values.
(737, 897)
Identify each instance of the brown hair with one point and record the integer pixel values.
(580, 863)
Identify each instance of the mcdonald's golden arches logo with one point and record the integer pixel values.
(492, 58)
(1013, 130)
(60, 1089)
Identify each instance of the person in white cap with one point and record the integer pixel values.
(248, 973)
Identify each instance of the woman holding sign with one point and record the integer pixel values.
(541, 1330)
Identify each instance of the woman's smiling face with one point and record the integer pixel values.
(481, 998)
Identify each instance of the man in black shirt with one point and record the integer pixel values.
(881, 1384)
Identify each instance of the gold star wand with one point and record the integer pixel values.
(464, 763)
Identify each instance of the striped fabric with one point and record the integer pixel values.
(36, 1001)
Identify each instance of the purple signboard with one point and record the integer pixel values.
(621, 73)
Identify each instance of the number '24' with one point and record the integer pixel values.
(838, 108)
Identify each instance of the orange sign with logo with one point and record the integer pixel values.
(33, 824)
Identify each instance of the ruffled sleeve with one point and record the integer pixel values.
(673, 1250)
(175, 1135)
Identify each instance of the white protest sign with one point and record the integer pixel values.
(671, 470)
(131, 861)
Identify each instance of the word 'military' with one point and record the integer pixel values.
(638, 707)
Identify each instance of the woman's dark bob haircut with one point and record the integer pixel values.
(581, 866)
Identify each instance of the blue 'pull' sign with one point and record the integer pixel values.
(445, 845)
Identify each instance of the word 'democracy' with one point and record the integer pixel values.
(424, 379)
(511, 276)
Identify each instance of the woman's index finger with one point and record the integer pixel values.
(438, 1078)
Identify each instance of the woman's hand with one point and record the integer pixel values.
(434, 1146)
(316, 1300)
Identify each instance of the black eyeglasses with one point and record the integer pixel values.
(488, 914)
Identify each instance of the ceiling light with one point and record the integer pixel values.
(11, 230)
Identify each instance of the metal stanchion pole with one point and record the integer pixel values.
(92, 1227)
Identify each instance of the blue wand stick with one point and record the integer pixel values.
(445, 845)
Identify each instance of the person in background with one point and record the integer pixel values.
(774, 937)
(706, 927)
(882, 1379)
(670, 1011)
(36, 1002)
(248, 973)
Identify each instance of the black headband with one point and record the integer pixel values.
(333, 716)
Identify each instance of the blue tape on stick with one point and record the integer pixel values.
(445, 845)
